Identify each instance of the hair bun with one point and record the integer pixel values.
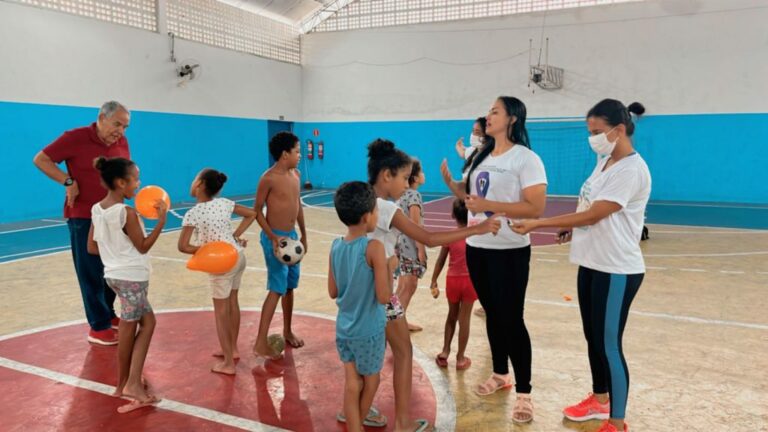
(636, 108)
(99, 162)
(222, 177)
(380, 148)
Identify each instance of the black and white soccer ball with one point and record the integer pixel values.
(289, 251)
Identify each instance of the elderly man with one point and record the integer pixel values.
(78, 148)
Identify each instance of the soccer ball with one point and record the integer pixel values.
(289, 251)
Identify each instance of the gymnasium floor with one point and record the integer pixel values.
(696, 342)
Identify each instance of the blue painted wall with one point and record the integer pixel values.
(693, 158)
(169, 148)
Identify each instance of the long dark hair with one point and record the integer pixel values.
(482, 122)
(615, 113)
(516, 132)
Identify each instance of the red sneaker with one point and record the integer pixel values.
(588, 409)
(103, 337)
(608, 427)
(115, 323)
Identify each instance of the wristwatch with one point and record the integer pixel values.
(69, 181)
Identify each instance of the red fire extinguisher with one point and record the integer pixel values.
(320, 146)
(310, 149)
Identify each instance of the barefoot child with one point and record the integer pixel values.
(412, 254)
(117, 235)
(279, 190)
(361, 283)
(208, 221)
(458, 290)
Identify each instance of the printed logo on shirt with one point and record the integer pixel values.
(482, 184)
(584, 203)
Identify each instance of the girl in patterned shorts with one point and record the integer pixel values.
(117, 235)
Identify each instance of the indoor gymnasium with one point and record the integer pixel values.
(384, 215)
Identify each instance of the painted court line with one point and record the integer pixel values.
(445, 413)
(31, 228)
(166, 404)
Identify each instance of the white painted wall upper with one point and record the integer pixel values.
(55, 58)
(675, 56)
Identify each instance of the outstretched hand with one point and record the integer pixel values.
(446, 173)
(522, 227)
(491, 225)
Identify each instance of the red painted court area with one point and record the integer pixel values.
(302, 392)
(437, 217)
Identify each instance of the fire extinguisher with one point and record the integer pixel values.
(310, 149)
(320, 150)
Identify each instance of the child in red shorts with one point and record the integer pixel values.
(459, 292)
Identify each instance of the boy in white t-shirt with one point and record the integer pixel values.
(208, 221)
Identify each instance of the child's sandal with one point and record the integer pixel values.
(523, 410)
(493, 384)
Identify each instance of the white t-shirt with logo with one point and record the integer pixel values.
(384, 232)
(502, 178)
(212, 221)
(613, 244)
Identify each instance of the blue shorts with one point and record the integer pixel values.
(280, 277)
(367, 353)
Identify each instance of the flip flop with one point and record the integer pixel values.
(465, 364)
(442, 361)
(136, 404)
(423, 424)
(373, 419)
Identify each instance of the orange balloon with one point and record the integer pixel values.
(147, 198)
(214, 257)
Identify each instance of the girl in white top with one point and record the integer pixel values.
(505, 177)
(117, 235)
(388, 171)
(607, 227)
(208, 221)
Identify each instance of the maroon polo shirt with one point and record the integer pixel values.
(78, 148)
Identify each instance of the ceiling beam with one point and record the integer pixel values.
(322, 14)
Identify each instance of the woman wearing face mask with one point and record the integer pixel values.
(476, 140)
(606, 232)
(505, 177)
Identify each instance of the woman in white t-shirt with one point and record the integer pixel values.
(505, 177)
(208, 221)
(607, 227)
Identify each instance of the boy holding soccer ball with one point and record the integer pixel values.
(279, 190)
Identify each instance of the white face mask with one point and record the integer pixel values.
(601, 145)
(475, 141)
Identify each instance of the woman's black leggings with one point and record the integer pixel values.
(604, 300)
(500, 278)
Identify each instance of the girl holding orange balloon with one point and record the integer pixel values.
(207, 233)
(117, 235)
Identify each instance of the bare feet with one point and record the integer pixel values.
(235, 354)
(265, 351)
(223, 368)
(292, 340)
